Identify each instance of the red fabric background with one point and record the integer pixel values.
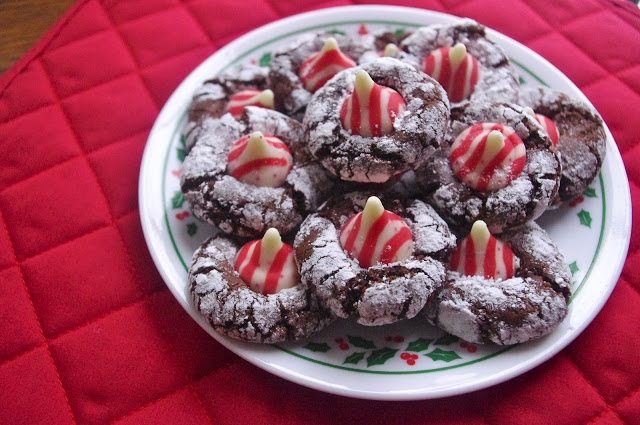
(89, 334)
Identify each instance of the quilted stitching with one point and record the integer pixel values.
(94, 335)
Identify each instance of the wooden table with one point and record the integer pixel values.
(22, 23)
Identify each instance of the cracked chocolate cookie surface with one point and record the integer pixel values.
(233, 309)
(382, 293)
(242, 209)
(507, 311)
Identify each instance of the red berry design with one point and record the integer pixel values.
(576, 201)
(363, 30)
(464, 344)
(340, 340)
(472, 349)
(344, 347)
(398, 339)
(176, 173)
(410, 358)
(182, 215)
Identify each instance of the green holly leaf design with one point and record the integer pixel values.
(177, 200)
(182, 150)
(337, 32)
(265, 59)
(442, 355)
(356, 341)
(318, 347)
(446, 339)
(354, 358)
(585, 218)
(399, 32)
(380, 356)
(521, 80)
(192, 228)
(573, 267)
(419, 344)
(590, 193)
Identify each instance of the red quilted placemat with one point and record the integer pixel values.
(89, 333)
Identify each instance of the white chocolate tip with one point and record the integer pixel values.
(257, 146)
(330, 44)
(529, 110)
(266, 98)
(363, 85)
(457, 54)
(480, 233)
(495, 142)
(373, 209)
(271, 242)
(390, 49)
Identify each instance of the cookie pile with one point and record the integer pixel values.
(381, 178)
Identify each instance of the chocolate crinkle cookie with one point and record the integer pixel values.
(366, 142)
(518, 307)
(211, 99)
(293, 91)
(228, 304)
(246, 208)
(487, 73)
(515, 185)
(375, 285)
(581, 137)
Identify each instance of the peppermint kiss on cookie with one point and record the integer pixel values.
(487, 156)
(546, 123)
(267, 265)
(481, 254)
(322, 65)
(261, 160)
(371, 109)
(455, 70)
(376, 236)
(249, 97)
(389, 50)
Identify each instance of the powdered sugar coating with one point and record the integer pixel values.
(582, 142)
(233, 309)
(417, 134)
(243, 209)
(524, 199)
(290, 95)
(211, 98)
(379, 294)
(510, 311)
(497, 80)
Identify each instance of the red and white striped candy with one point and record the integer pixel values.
(371, 109)
(267, 265)
(376, 235)
(481, 254)
(548, 125)
(322, 65)
(455, 70)
(249, 97)
(261, 160)
(487, 156)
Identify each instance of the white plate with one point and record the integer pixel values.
(354, 360)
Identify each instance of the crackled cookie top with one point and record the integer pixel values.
(322, 65)
(371, 109)
(481, 254)
(267, 265)
(582, 140)
(261, 160)
(455, 69)
(484, 74)
(375, 293)
(376, 235)
(413, 134)
(507, 310)
(235, 309)
(487, 156)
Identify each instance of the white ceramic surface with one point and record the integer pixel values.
(407, 360)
